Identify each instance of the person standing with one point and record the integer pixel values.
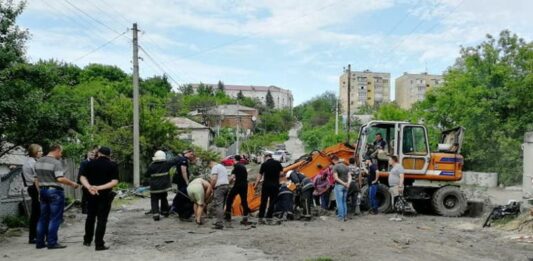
(322, 187)
(200, 191)
(99, 178)
(91, 155)
(181, 179)
(372, 180)
(342, 183)
(270, 171)
(158, 173)
(49, 178)
(220, 183)
(239, 176)
(396, 179)
(354, 191)
(35, 152)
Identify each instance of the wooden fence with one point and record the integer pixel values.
(71, 172)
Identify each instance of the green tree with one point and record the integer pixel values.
(270, 100)
(489, 91)
(205, 90)
(391, 112)
(157, 85)
(220, 86)
(240, 96)
(186, 89)
(12, 37)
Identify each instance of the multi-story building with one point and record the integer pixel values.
(282, 97)
(366, 88)
(411, 88)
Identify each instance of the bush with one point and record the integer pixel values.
(13, 221)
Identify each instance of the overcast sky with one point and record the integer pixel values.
(299, 45)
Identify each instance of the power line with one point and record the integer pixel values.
(99, 47)
(92, 18)
(158, 65)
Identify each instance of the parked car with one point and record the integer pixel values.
(230, 160)
(280, 156)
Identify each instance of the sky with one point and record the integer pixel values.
(294, 44)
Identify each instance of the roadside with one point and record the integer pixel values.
(294, 145)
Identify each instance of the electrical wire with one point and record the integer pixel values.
(99, 47)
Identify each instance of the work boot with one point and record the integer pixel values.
(245, 221)
(227, 216)
(261, 221)
(218, 225)
(101, 248)
(156, 217)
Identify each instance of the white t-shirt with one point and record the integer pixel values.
(222, 174)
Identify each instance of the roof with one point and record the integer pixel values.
(229, 110)
(256, 88)
(16, 156)
(186, 123)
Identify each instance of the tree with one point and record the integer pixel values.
(186, 89)
(240, 96)
(391, 112)
(270, 100)
(220, 86)
(489, 91)
(156, 85)
(205, 90)
(12, 37)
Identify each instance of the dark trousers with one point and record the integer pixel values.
(35, 211)
(269, 192)
(84, 197)
(98, 208)
(242, 191)
(306, 202)
(182, 204)
(155, 198)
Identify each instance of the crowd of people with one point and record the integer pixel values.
(283, 195)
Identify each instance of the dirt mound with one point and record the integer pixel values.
(521, 224)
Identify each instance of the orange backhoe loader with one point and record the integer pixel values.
(430, 177)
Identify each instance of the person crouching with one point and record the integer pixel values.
(158, 172)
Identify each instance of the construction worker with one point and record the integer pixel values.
(239, 177)
(304, 191)
(158, 173)
(181, 203)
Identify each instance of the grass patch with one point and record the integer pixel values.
(13, 221)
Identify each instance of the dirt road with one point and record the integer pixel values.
(134, 236)
(294, 145)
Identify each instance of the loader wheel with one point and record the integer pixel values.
(383, 196)
(449, 201)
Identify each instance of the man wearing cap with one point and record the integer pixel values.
(270, 170)
(158, 173)
(304, 190)
(99, 177)
(181, 178)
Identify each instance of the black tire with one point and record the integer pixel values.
(449, 201)
(383, 196)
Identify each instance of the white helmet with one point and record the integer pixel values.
(159, 156)
(289, 173)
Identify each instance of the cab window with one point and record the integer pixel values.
(414, 141)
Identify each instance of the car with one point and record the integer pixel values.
(230, 160)
(279, 156)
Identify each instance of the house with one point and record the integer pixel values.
(230, 116)
(193, 132)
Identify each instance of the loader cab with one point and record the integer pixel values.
(408, 141)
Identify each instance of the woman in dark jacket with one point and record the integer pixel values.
(158, 172)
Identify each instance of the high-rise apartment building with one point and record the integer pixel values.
(366, 88)
(411, 88)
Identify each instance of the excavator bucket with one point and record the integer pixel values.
(307, 165)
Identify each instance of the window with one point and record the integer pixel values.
(414, 141)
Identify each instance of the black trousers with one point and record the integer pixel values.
(306, 202)
(242, 191)
(155, 198)
(35, 211)
(84, 197)
(98, 208)
(269, 192)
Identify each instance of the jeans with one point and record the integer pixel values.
(52, 206)
(372, 196)
(155, 198)
(221, 193)
(269, 194)
(324, 200)
(242, 191)
(35, 211)
(340, 197)
(98, 208)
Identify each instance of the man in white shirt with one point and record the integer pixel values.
(220, 183)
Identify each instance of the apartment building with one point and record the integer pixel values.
(366, 88)
(282, 97)
(411, 88)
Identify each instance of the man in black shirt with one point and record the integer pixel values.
(372, 180)
(99, 177)
(240, 187)
(270, 172)
(181, 203)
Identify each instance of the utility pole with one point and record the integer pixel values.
(136, 132)
(92, 111)
(349, 104)
(337, 116)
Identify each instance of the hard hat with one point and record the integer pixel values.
(289, 173)
(159, 156)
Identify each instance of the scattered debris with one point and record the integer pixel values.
(522, 238)
(512, 209)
